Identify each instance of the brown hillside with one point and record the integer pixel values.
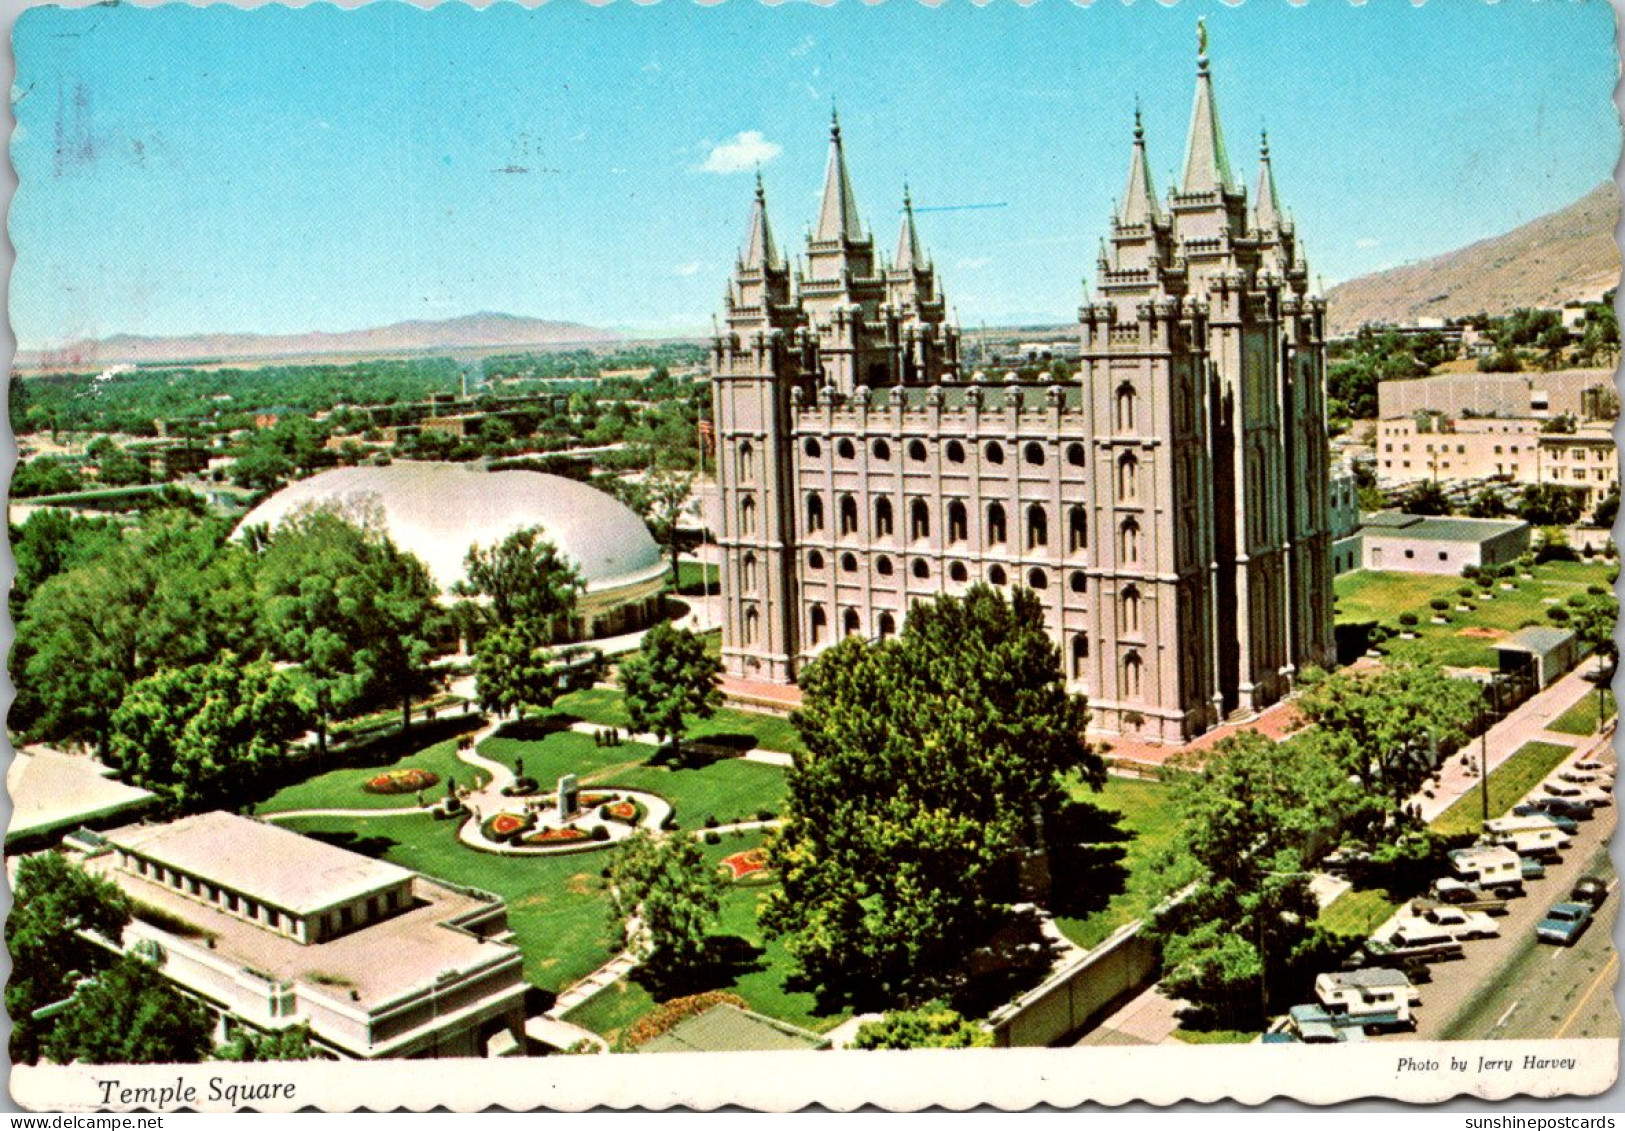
(1567, 254)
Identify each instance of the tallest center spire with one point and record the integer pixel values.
(838, 215)
(1207, 165)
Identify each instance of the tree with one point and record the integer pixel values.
(287, 1044)
(664, 898)
(204, 736)
(1550, 504)
(1427, 498)
(1487, 504)
(934, 1026)
(937, 764)
(659, 500)
(671, 678)
(350, 608)
(1607, 509)
(55, 904)
(1391, 727)
(529, 593)
(1237, 914)
(130, 1015)
(44, 475)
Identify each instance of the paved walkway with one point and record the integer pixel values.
(593, 984)
(1149, 1018)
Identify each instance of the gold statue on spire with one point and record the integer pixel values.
(1201, 35)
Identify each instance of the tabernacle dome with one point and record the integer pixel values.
(437, 511)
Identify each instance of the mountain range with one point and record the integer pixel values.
(1563, 255)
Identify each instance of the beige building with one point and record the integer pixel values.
(1430, 446)
(1411, 543)
(1168, 504)
(272, 929)
(1575, 392)
(1585, 460)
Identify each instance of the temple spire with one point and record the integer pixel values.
(1267, 212)
(1140, 196)
(1207, 165)
(838, 216)
(760, 251)
(909, 256)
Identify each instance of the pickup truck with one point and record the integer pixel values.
(1470, 897)
(1313, 1025)
(1564, 923)
(1590, 889)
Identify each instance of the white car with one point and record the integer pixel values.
(1584, 794)
(1444, 924)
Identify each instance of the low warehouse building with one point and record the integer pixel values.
(1410, 543)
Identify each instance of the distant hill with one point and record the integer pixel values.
(475, 332)
(1567, 254)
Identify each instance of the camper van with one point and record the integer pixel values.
(1492, 867)
(1527, 836)
(1378, 998)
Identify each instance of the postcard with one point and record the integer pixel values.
(897, 555)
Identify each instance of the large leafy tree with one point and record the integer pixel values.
(670, 680)
(56, 903)
(659, 499)
(664, 899)
(929, 1027)
(937, 763)
(171, 592)
(1238, 915)
(288, 1044)
(350, 608)
(205, 736)
(129, 1015)
(523, 594)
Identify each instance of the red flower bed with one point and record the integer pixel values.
(556, 836)
(407, 780)
(593, 800)
(627, 812)
(501, 825)
(751, 862)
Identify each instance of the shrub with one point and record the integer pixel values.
(599, 832)
(764, 814)
(1596, 590)
(1466, 591)
(1558, 613)
(1439, 604)
(711, 822)
(1408, 619)
(713, 837)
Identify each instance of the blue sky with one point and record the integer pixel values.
(191, 170)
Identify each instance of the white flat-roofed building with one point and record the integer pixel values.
(274, 929)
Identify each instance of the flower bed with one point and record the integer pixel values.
(752, 863)
(558, 836)
(593, 800)
(409, 779)
(502, 825)
(627, 812)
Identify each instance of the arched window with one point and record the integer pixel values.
(815, 512)
(996, 530)
(1080, 581)
(848, 515)
(1033, 453)
(995, 576)
(958, 572)
(994, 452)
(916, 451)
(1128, 477)
(958, 523)
(883, 518)
(753, 623)
(815, 560)
(881, 450)
(1125, 407)
(1131, 676)
(845, 450)
(1037, 579)
(849, 564)
(888, 626)
(1077, 529)
(849, 622)
(812, 449)
(1128, 549)
(747, 462)
(747, 516)
(1074, 455)
(817, 622)
(919, 519)
(1037, 527)
(955, 451)
(1080, 655)
(921, 569)
(1131, 610)
(883, 566)
(747, 571)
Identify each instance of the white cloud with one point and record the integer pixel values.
(1367, 243)
(688, 270)
(741, 153)
(972, 264)
(803, 47)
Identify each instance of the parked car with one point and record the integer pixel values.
(1593, 764)
(1492, 867)
(1587, 777)
(1466, 924)
(1564, 923)
(1584, 794)
(1564, 821)
(1375, 999)
(1313, 1025)
(1589, 889)
(1532, 869)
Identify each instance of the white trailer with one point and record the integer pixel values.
(1534, 835)
(1493, 867)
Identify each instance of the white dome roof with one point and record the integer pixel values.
(436, 511)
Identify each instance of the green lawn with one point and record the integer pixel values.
(556, 905)
(759, 979)
(730, 790)
(341, 789)
(1148, 813)
(563, 752)
(1368, 595)
(607, 707)
(693, 578)
(1358, 912)
(1508, 783)
(1582, 717)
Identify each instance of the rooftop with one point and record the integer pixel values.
(1438, 529)
(51, 790)
(1537, 639)
(727, 1028)
(1377, 978)
(273, 865)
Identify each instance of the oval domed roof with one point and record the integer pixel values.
(437, 511)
